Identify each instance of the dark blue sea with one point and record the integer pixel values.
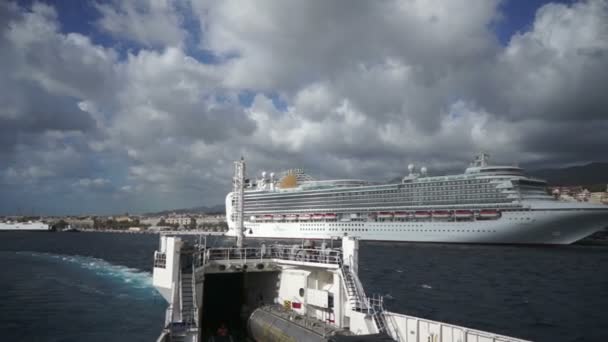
(97, 287)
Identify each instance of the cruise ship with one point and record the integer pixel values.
(487, 204)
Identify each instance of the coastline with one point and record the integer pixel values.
(180, 232)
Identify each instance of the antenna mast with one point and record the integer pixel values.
(238, 188)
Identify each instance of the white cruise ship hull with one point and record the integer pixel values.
(536, 226)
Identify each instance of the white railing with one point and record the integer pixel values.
(404, 328)
(376, 309)
(278, 252)
(194, 303)
(392, 328)
(179, 328)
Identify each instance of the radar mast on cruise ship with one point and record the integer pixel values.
(481, 160)
(238, 190)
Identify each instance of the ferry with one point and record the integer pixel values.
(278, 293)
(489, 204)
(29, 226)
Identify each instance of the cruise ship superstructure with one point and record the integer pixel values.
(485, 204)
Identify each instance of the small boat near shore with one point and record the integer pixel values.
(70, 229)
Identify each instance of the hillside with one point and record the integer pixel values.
(216, 209)
(589, 174)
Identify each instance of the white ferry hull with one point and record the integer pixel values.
(557, 227)
(24, 227)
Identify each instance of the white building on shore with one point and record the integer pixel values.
(182, 220)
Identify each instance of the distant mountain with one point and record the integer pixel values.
(589, 174)
(395, 180)
(216, 209)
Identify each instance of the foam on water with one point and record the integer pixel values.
(133, 277)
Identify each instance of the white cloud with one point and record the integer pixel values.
(367, 87)
(285, 45)
(151, 23)
(93, 183)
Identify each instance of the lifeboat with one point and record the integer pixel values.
(267, 217)
(441, 214)
(278, 217)
(463, 214)
(318, 216)
(330, 216)
(489, 213)
(292, 217)
(422, 214)
(385, 215)
(401, 214)
(304, 217)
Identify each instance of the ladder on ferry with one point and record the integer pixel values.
(187, 291)
(360, 302)
(351, 289)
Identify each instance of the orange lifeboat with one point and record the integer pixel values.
(463, 213)
(422, 214)
(318, 216)
(401, 214)
(304, 217)
(385, 215)
(489, 213)
(441, 214)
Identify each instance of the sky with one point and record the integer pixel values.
(142, 105)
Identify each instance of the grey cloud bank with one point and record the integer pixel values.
(368, 87)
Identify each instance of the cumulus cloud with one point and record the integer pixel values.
(151, 23)
(96, 183)
(342, 88)
(171, 95)
(43, 75)
(43, 71)
(285, 44)
(362, 89)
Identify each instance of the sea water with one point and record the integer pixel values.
(97, 287)
(78, 287)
